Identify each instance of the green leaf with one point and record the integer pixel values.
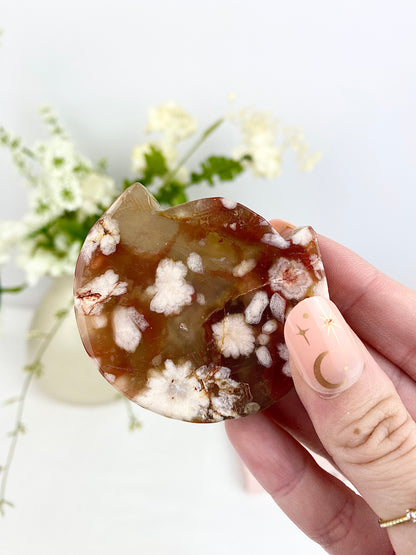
(19, 429)
(128, 182)
(36, 368)
(172, 193)
(61, 314)
(7, 402)
(134, 424)
(220, 167)
(155, 165)
(67, 223)
(3, 504)
(102, 165)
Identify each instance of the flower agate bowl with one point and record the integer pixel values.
(183, 309)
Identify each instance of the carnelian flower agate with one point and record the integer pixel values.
(183, 309)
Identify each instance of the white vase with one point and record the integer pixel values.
(68, 373)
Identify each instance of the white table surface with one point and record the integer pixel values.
(83, 484)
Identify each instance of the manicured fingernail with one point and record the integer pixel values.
(322, 346)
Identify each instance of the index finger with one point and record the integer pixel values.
(380, 310)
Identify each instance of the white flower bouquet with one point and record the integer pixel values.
(68, 193)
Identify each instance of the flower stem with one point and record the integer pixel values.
(34, 370)
(134, 423)
(28, 152)
(192, 150)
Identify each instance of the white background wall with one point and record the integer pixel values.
(343, 70)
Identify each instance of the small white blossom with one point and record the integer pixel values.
(234, 338)
(264, 142)
(11, 235)
(66, 192)
(138, 157)
(290, 278)
(90, 298)
(259, 135)
(257, 127)
(45, 262)
(170, 291)
(172, 120)
(295, 139)
(97, 190)
(43, 204)
(174, 392)
(57, 156)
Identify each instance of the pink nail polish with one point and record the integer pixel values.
(322, 346)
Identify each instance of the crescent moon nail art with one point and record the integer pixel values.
(325, 352)
(318, 373)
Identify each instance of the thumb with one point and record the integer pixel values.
(354, 407)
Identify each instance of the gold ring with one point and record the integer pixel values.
(410, 516)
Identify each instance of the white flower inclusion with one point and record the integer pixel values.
(269, 327)
(171, 291)
(255, 309)
(317, 265)
(264, 357)
(284, 355)
(275, 240)
(194, 262)
(234, 338)
(174, 392)
(244, 267)
(278, 307)
(105, 235)
(93, 295)
(128, 325)
(290, 278)
(229, 204)
(302, 236)
(228, 393)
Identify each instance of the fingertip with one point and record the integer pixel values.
(323, 349)
(284, 228)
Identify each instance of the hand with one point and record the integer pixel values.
(357, 408)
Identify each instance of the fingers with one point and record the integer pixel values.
(380, 310)
(354, 407)
(291, 415)
(343, 523)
